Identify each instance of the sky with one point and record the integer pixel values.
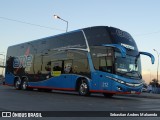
(138, 17)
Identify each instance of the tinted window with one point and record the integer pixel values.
(73, 40)
(102, 58)
(125, 39)
(68, 66)
(80, 63)
(97, 36)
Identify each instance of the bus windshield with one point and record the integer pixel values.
(128, 67)
(105, 59)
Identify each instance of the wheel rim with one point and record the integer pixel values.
(83, 88)
(17, 84)
(24, 86)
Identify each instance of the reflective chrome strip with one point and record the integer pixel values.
(112, 78)
(77, 49)
(133, 85)
(86, 41)
(126, 83)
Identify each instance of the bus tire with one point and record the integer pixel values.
(108, 95)
(17, 84)
(24, 85)
(83, 88)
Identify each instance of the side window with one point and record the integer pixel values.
(37, 64)
(103, 59)
(47, 66)
(80, 66)
(104, 64)
(109, 64)
(56, 68)
(68, 66)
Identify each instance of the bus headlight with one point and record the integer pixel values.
(126, 83)
(134, 84)
(120, 81)
(117, 80)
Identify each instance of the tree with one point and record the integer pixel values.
(154, 83)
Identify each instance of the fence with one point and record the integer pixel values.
(156, 90)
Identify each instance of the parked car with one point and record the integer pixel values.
(149, 88)
(144, 89)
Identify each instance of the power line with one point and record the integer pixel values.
(145, 34)
(23, 22)
(51, 28)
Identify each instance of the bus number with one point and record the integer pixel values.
(105, 85)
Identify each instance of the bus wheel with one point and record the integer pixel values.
(83, 88)
(24, 85)
(108, 95)
(17, 84)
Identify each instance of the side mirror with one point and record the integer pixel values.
(150, 55)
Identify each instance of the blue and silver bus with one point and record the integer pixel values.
(97, 59)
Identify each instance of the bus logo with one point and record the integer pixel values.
(23, 61)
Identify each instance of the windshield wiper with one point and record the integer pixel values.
(125, 73)
(120, 73)
(139, 75)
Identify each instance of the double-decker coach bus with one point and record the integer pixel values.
(97, 59)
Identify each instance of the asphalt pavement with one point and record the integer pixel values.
(145, 95)
(19, 100)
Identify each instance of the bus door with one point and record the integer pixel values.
(101, 78)
(106, 66)
(60, 71)
(56, 73)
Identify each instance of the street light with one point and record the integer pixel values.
(157, 63)
(57, 17)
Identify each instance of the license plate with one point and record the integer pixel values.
(133, 92)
